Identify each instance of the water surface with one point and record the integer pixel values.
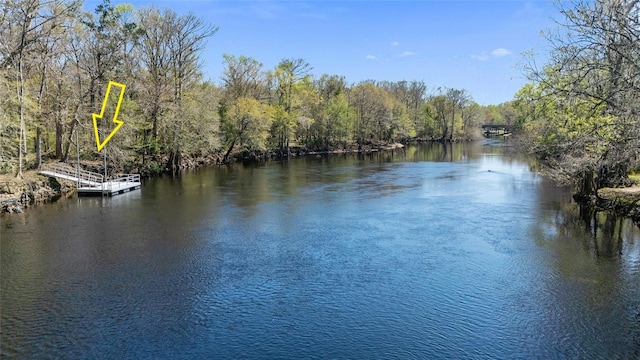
(431, 252)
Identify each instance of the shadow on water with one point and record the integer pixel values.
(606, 229)
(590, 279)
(602, 233)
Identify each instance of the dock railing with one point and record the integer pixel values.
(122, 180)
(83, 177)
(89, 182)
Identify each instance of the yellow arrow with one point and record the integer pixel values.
(119, 123)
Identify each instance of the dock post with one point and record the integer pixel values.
(104, 151)
(78, 154)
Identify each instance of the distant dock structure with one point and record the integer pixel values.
(497, 130)
(93, 184)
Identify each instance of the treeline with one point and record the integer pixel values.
(56, 61)
(582, 109)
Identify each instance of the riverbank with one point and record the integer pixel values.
(623, 201)
(301, 151)
(18, 194)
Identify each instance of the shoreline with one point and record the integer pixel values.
(17, 195)
(622, 201)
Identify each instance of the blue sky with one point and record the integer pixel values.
(472, 45)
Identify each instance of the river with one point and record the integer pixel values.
(425, 253)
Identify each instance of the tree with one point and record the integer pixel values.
(170, 49)
(588, 95)
(157, 29)
(94, 53)
(103, 48)
(458, 99)
(243, 78)
(198, 127)
(285, 106)
(307, 105)
(373, 107)
(417, 93)
(408, 97)
(440, 107)
(189, 35)
(55, 61)
(332, 117)
(472, 119)
(249, 120)
(245, 120)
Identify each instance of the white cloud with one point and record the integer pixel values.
(500, 52)
(371, 57)
(497, 53)
(395, 43)
(482, 57)
(406, 53)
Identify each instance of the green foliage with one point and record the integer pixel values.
(563, 128)
(493, 115)
(402, 127)
(200, 122)
(581, 112)
(168, 110)
(247, 122)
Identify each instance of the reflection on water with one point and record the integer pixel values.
(432, 251)
(603, 235)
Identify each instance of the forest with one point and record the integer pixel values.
(56, 60)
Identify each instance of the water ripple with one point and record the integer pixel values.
(316, 260)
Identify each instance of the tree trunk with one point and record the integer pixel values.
(453, 119)
(67, 148)
(444, 133)
(228, 152)
(22, 144)
(175, 161)
(59, 134)
(39, 146)
(154, 117)
(588, 186)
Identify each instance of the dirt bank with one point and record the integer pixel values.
(623, 201)
(18, 194)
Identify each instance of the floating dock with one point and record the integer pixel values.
(93, 184)
(117, 186)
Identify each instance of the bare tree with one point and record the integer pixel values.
(243, 77)
(189, 35)
(458, 99)
(170, 51)
(156, 59)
